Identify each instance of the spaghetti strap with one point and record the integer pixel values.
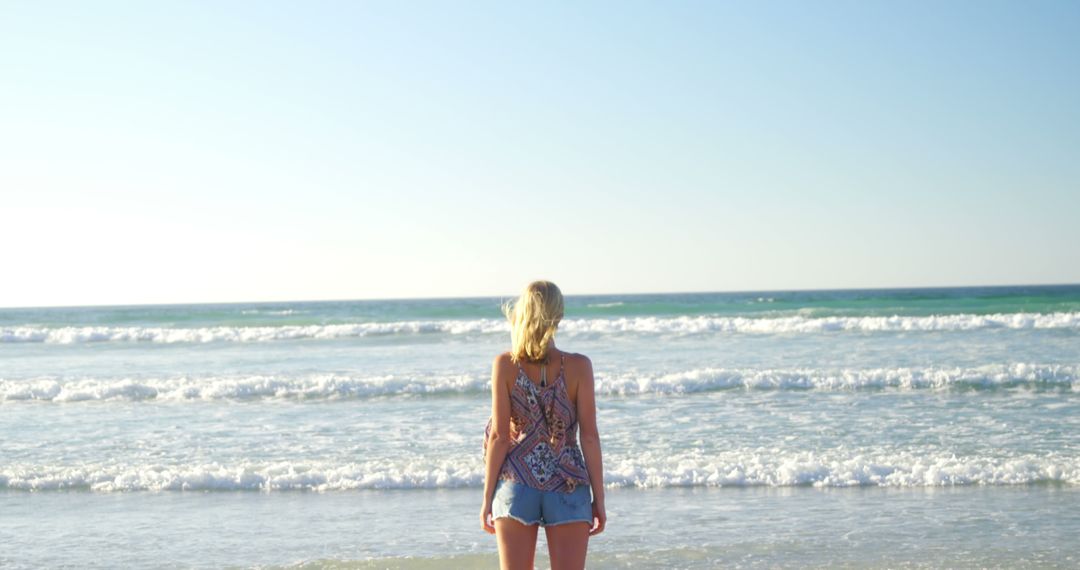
(562, 371)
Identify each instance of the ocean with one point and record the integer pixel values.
(856, 428)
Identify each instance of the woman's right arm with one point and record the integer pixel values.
(590, 444)
(499, 440)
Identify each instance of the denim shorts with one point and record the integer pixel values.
(546, 508)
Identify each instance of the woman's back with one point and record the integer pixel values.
(544, 452)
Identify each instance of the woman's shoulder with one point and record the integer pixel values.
(504, 369)
(503, 361)
(576, 358)
(577, 363)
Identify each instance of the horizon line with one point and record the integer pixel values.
(468, 297)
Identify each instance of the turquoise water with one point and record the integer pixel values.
(918, 427)
(869, 302)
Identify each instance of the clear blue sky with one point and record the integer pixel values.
(156, 152)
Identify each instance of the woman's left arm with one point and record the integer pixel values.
(499, 440)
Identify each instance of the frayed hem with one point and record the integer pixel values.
(589, 522)
(518, 519)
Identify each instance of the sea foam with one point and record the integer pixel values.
(338, 386)
(71, 335)
(737, 468)
(683, 325)
(776, 468)
(902, 378)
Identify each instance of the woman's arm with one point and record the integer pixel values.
(590, 444)
(499, 439)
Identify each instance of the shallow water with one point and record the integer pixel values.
(963, 527)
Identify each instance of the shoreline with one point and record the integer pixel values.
(703, 527)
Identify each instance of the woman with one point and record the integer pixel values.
(536, 473)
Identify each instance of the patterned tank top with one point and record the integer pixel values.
(544, 452)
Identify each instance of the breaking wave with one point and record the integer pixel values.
(332, 386)
(684, 325)
(737, 468)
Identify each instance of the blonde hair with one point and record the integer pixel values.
(534, 317)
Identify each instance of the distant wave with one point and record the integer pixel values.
(333, 386)
(277, 312)
(737, 468)
(70, 335)
(684, 325)
(803, 324)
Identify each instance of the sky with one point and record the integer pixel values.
(174, 152)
